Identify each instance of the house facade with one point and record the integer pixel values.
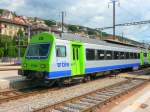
(10, 24)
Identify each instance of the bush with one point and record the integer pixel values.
(1, 52)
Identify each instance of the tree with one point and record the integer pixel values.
(1, 11)
(73, 28)
(50, 22)
(1, 52)
(91, 32)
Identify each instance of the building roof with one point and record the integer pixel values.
(13, 22)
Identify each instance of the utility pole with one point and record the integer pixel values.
(19, 50)
(114, 16)
(63, 14)
(29, 33)
(62, 21)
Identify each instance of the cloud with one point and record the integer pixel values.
(91, 13)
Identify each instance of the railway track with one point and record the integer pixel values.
(90, 101)
(9, 95)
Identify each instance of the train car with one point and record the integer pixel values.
(50, 56)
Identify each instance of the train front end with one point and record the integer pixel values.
(36, 61)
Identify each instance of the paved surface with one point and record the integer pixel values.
(9, 78)
(8, 67)
(140, 102)
(134, 76)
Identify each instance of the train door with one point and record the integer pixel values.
(76, 60)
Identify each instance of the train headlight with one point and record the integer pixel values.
(42, 65)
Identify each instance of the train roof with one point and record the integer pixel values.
(73, 37)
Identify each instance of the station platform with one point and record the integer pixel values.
(9, 79)
(139, 102)
(5, 67)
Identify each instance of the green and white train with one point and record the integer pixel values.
(50, 56)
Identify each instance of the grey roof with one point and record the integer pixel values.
(73, 37)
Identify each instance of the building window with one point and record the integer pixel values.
(90, 54)
(60, 51)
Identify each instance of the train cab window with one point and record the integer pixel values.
(90, 54)
(116, 55)
(60, 51)
(122, 55)
(100, 54)
(109, 55)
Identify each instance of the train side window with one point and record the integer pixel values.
(135, 55)
(145, 54)
(116, 55)
(60, 51)
(122, 55)
(73, 53)
(100, 54)
(127, 55)
(138, 55)
(90, 54)
(131, 55)
(108, 55)
(77, 54)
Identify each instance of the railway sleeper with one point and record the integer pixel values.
(75, 105)
(85, 103)
(71, 108)
(62, 109)
(89, 100)
(95, 98)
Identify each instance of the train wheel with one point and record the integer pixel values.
(60, 82)
(50, 83)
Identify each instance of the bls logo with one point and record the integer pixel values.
(63, 64)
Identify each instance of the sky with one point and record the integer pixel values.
(90, 13)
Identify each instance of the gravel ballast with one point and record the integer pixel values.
(30, 103)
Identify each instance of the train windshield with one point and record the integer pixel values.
(38, 51)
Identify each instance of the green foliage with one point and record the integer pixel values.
(8, 45)
(20, 34)
(50, 22)
(73, 28)
(1, 11)
(105, 34)
(1, 52)
(91, 32)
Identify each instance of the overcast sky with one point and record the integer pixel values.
(91, 13)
